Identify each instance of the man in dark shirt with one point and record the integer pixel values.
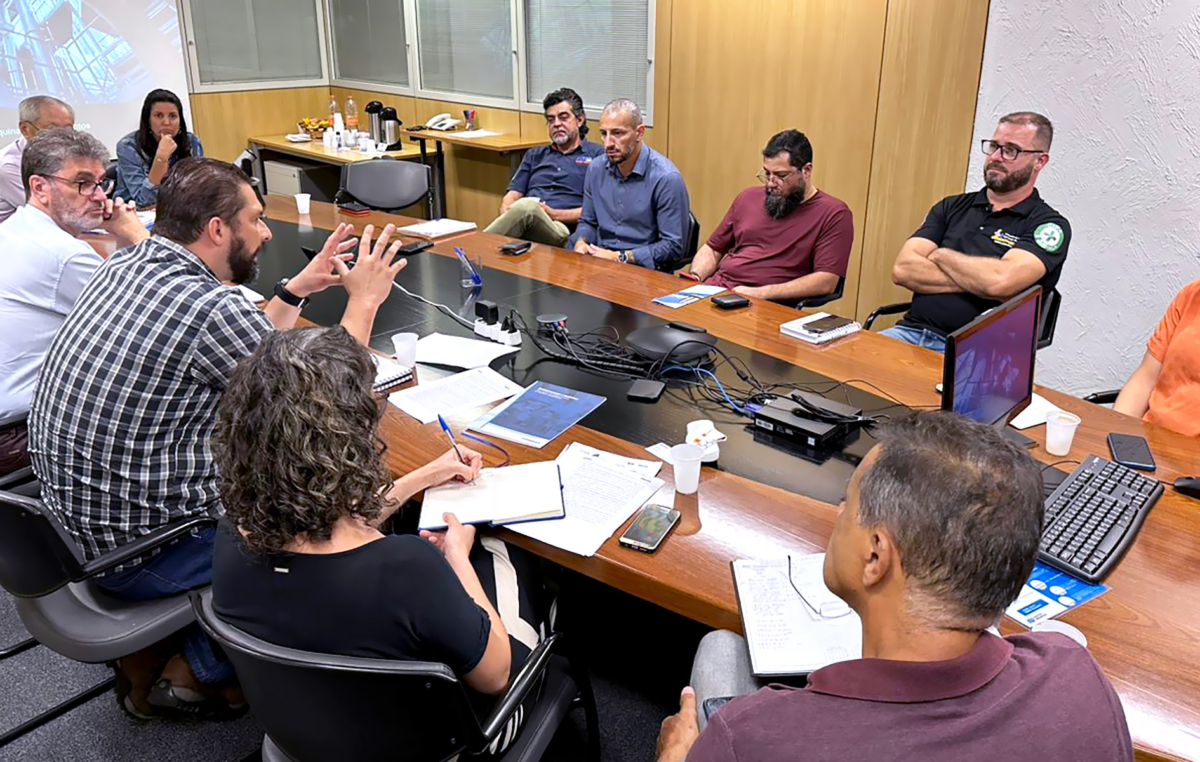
(936, 536)
(545, 196)
(978, 249)
(784, 240)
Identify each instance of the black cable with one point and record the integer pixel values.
(1058, 463)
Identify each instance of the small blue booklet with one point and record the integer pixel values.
(537, 415)
(687, 296)
(1049, 593)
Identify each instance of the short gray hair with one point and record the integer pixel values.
(624, 106)
(31, 108)
(48, 150)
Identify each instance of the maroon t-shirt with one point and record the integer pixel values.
(761, 250)
(1037, 696)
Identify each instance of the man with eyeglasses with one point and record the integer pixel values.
(784, 240)
(978, 249)
(46, 265)
(937, 535)
(34, 114)
(545, 196)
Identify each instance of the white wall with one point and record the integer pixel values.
(1120, 80)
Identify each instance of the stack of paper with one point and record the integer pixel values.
(449, 395)
(389, 373)
(529, 492)
(476, 134)
(457, 352)
(601, 490)
(439, 228)
(1035, 414)
(795, 329)
(793, 625)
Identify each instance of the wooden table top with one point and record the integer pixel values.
(317, 151)
(1145, 632)
(502, 143)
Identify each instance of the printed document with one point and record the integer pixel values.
(449, 395)
(458, 352)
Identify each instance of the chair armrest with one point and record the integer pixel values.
(17, 478)
(1103, 398)
(144, 544)
(887, 309)
(13, 420)
(526, 679)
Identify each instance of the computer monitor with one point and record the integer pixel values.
(988, 370)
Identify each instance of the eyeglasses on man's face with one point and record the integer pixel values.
(85, 187)
(1008, 151)
(766, 178)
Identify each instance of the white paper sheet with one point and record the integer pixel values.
(784, 635)
(1035, 414)
(251, 294)
(459, 352)
(438, 228)
(496, 496)
(447, 396)
(475, 134)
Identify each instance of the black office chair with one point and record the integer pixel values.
(317, 707)
(110, 176)
(1048, 321)
(1103, 398)
(815, 301)
(386, 185)
(63, 609)
(691, 245)
(20, 476)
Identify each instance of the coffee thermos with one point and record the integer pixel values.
(376, 127)
(390, 125)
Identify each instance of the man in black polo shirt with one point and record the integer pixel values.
(545, 196)
(979, 249)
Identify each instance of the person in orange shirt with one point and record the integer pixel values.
(1165, 389)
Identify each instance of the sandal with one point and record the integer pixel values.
(124, 688)
(185, 702)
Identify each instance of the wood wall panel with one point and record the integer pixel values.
(225, 120)
(932, 55)
(741, 72)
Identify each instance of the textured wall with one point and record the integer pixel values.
(1120, 79)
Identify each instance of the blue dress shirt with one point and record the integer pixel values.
(646, 212)
(556, 177)
(133, 170)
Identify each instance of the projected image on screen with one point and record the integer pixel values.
(101, 56)
(992, 366)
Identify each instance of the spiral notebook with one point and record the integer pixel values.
(389, 373)
(795, 329)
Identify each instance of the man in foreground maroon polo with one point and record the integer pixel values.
(938, 531)
(784, 240)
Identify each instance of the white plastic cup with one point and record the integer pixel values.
(406, 348)
(686, 460)
(303, 203)
(1060, 431)
(1053, 625)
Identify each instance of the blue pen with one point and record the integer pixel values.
(450, 435)
(476, 278)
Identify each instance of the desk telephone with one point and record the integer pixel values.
(443, 122)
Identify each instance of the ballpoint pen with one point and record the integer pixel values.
(475, 277)
(450, 436)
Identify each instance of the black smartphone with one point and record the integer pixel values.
(1132, 451)
(650, 528)
(416, 247)
(826, 324)
(515, 247)
(730, 301)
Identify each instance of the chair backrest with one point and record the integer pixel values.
(1048, 320)
(110, 176)
(691, 245)
(387, 185)
(321, 707)
(818, 301)
(37, 556)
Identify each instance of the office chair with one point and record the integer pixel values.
(808, 303)
(23, 475)
(691, 245)
(1103, 398)
(318, 707)
(386, 185)
(110, 176)
(62, 607)
(1047, 323)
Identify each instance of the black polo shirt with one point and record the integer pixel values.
(967, 224)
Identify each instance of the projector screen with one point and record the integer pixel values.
(100, 56)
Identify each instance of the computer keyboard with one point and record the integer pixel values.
(1094, 516)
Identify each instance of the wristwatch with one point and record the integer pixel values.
(287, 297)
(623, 257)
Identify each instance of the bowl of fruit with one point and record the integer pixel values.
(314, 128)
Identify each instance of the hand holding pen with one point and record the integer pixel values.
(460, 462)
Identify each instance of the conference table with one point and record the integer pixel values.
(1145, 632)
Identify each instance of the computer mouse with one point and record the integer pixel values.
(1188, 485)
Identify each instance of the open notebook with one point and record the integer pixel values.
(793, 626)
(528, 492)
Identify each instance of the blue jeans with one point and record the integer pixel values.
(918, 337)
(183, 566)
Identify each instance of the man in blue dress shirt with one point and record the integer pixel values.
(545, 196)
(635, 205)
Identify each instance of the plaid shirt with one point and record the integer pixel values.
(126, 400)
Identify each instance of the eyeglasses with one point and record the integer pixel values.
(85, 187)
(1007, 152)
(825, 609)
(765, 177)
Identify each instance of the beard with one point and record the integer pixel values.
(564, 139)
(780, 206)
(243, 263)
(1007, 182)
(70, 218)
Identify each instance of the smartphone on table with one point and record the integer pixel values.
(650, 528)
(1132, 451)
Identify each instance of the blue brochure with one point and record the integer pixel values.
(537, 415)
(1049, 593)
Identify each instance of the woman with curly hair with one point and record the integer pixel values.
(300, 560)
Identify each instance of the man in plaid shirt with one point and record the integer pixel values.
(126, 401)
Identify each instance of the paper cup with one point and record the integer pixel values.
(303, 203)
(1053, 625)
(1060, 431)
(686, 459)
(406, 348)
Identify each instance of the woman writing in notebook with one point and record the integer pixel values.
(300, 560)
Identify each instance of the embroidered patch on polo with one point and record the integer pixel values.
(1049, 235)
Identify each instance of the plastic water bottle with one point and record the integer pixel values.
(333, 108)
(351, 114)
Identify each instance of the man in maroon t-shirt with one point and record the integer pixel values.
(786, 240)
(938, 532)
